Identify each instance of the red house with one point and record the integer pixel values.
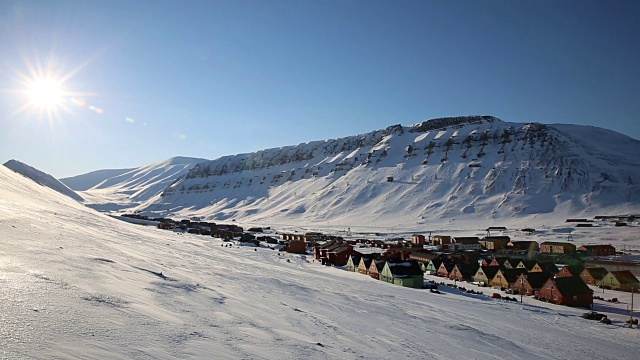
(463, 272)
(376, 267)
(530, 283)
(569, 291)
(338, 256)
(570, 270)
(598, 250)
(445, 269)
(593, 276)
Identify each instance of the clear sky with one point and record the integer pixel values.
(143, 81)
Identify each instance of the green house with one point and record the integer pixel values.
(403, 272)
(622, 280)
(432, 267)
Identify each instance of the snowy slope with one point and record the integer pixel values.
(42, 178)
(132, 187)
(466, 169)
(87, 181)
(78, 284)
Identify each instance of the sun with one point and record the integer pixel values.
(45, 93)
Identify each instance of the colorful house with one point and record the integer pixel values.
(622, 280)
(524, 245)
(593, 276)
(485, 273)
(598, 250)
(530, 283)
(403, 272)
(353, 262)
(495, 242)
(570, 291)
(463, 272)
(295, 247)
(505, 278)
(445, 268)
(433, 266)
(553, 247)
(376, 267)
(365, 263)
(570, 270)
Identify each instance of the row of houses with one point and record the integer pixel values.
(502, 242)
(396, 271)
(565, 286)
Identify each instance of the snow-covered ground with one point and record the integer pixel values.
(75, 283)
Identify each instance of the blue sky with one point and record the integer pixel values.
(213, 78)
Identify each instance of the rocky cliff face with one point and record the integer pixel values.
(475, 167)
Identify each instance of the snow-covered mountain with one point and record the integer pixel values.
(112, 190)
(76, 284)
(87, 181)
(475, 168)
(42, 178)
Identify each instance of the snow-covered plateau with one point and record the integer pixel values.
(442, 173)
(77, 284)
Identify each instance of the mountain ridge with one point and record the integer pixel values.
(473, 167)
(42, 178)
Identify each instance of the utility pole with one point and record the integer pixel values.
(631, 315)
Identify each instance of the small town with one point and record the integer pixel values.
(556, 272)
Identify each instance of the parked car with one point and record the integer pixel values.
(593, 315)
(496, 296)
(513, 291)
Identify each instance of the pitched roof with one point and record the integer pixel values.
(380, 264)
(537, 279)
(468, 269)
(331, 247)
(512, 262)
(511, 275)
(340, 248)
(575, 270)
(625, 277)
(528, 264)
(404, 268)
(549, 266)
(572, 285)
(490, 271)
(367, 261)
(597, 273)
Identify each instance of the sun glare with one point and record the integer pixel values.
(45, 93)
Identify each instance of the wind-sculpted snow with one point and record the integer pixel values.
(42, 178)
(452, 169)
(78, 284)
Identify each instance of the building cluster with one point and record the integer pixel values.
(391, 266)
(557, 272)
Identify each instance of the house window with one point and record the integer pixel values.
(555, 297)
(549, 287)
(521, 281)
